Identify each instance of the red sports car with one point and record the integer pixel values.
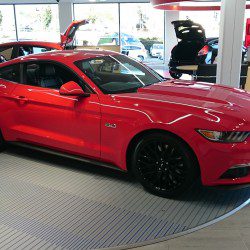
(13, 50)
(105, 108)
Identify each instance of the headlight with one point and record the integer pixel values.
(226, 137)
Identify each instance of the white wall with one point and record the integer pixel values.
(170, 36)
(65, 9)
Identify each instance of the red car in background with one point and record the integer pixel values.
(247, 34)
(106, 108)
(13, 50)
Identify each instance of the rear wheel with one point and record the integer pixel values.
(164, 165)
(140, 58)
(175, 75)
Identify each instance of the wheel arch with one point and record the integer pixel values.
(141, 134)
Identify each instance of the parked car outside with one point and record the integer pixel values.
(113, 39)
(157, 50)
(211, 50)
(136, 52)
(130, 45)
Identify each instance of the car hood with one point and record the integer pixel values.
(198, 99)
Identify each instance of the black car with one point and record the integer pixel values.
(193, 47)
(212, 50)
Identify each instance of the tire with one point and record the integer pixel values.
(2, 142)
(141, 58)
(175, 75)
(164, 165)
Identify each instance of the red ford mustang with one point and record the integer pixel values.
(13, 50)
(106, 108)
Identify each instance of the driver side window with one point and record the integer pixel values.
(47, 75)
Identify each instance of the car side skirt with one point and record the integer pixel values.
(70, 156)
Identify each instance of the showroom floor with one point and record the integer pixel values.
(232, 233)
(52, 202)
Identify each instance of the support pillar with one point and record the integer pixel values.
(230, 42)
(170, 39)
(65, 14)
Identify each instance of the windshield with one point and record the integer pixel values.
(118, 74)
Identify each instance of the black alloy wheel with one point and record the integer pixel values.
(164, 165)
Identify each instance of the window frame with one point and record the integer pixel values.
(81, 82)
(18, 46)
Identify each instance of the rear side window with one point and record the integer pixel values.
(11, 73)
(37, 50)
(6, 52)
(27, 50)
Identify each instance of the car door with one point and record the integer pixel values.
(9, 76)
(46, 118)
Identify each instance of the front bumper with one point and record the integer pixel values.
(217, 161)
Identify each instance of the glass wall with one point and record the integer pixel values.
(141, 32)
(38, 22)
(144, 29)
(7, 24)
(210, 20)
(103, 27)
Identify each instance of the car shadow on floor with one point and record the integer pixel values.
(197, 193)
(68, 163)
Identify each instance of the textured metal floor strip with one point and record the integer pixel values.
(56, 203)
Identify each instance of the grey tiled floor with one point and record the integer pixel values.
(232, 233)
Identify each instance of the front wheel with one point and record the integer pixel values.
(164, 165)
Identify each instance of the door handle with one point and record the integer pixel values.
(21, 99)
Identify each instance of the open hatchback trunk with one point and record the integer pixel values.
(191, 39)
(187, 30)
(68, 36)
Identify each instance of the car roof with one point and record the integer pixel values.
(62, 56)
(32, 43)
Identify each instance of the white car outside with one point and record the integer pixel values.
(157, 50)
(136, 52)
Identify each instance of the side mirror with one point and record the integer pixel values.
(71, 88)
